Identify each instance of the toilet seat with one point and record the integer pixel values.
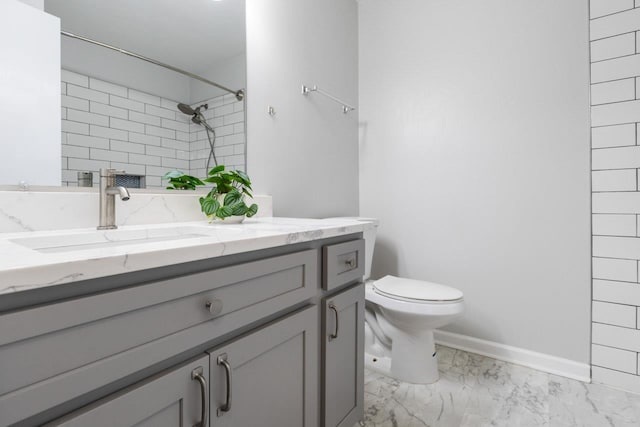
(433, 308)
(416, 291)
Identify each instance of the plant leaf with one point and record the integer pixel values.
(223, 188)
(243, 175)
(252, 210)
(214, 179)
(180, 181)
(242, 178)
(209, 205)
(216, 170)
(193, 180)
(223, 212)
(239, 208)
(232, 197)
(173, 174)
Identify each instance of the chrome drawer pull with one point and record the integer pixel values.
(197, 374)
(351, 262)
(334, 335)
(214, 306)
(222, 360)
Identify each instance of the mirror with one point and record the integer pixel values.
(122, 112)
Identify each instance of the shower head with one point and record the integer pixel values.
(186, 109)
(197, 116)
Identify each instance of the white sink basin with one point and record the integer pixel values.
(109, 238)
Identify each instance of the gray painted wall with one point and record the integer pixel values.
(306, 156)
(475, 158)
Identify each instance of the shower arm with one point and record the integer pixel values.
(239, 94)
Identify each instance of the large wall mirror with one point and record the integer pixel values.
(122, 112)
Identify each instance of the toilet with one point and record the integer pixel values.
(400, 316)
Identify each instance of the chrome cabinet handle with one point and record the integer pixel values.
(197, 374)
(214, 306)
(334, 335)
(222, 360)
(351, 263)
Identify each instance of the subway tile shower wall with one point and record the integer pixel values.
(110, 126)
(615, 117)
(226, 115)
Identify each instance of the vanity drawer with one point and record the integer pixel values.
(343, 263)
(54, 353)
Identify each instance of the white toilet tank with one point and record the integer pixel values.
(369, 245)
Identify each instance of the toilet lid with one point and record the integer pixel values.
(415, 290)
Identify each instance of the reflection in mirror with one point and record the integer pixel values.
(122, 112)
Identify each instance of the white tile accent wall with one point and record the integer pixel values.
(615, 269)
(108, 125)
(605, 7)
(614, 358)
(615, 113)
(615, 180)
(613, 136)
(614, 314)
(614, 225)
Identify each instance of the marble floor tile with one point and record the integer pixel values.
(477, 391)
(574, 403)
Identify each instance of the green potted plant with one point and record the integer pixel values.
(225, 202)
(181, 181)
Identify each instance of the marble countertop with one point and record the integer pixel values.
(31, 260)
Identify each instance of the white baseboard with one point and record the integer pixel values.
(519, 356)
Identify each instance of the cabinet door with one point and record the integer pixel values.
(268, 378)
(343, 367)
(171, 398)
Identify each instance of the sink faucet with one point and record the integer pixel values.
(108, 191)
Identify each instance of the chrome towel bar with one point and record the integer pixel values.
(345, 107)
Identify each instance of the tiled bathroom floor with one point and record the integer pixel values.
(476, 391)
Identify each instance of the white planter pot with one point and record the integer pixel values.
(234, 219)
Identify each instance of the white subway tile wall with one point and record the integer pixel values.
(615, 114)
(108, 125)
(226, 115)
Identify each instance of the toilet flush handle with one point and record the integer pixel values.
(334, 335)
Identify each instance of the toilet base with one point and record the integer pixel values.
(413, 357)
(417, 366)
(379, 364)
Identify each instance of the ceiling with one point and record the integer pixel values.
(188, 34)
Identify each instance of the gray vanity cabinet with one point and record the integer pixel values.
(343, 348)
(268, 378)
(284, 352)
(169, 399)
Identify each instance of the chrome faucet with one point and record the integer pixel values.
(108, 191)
